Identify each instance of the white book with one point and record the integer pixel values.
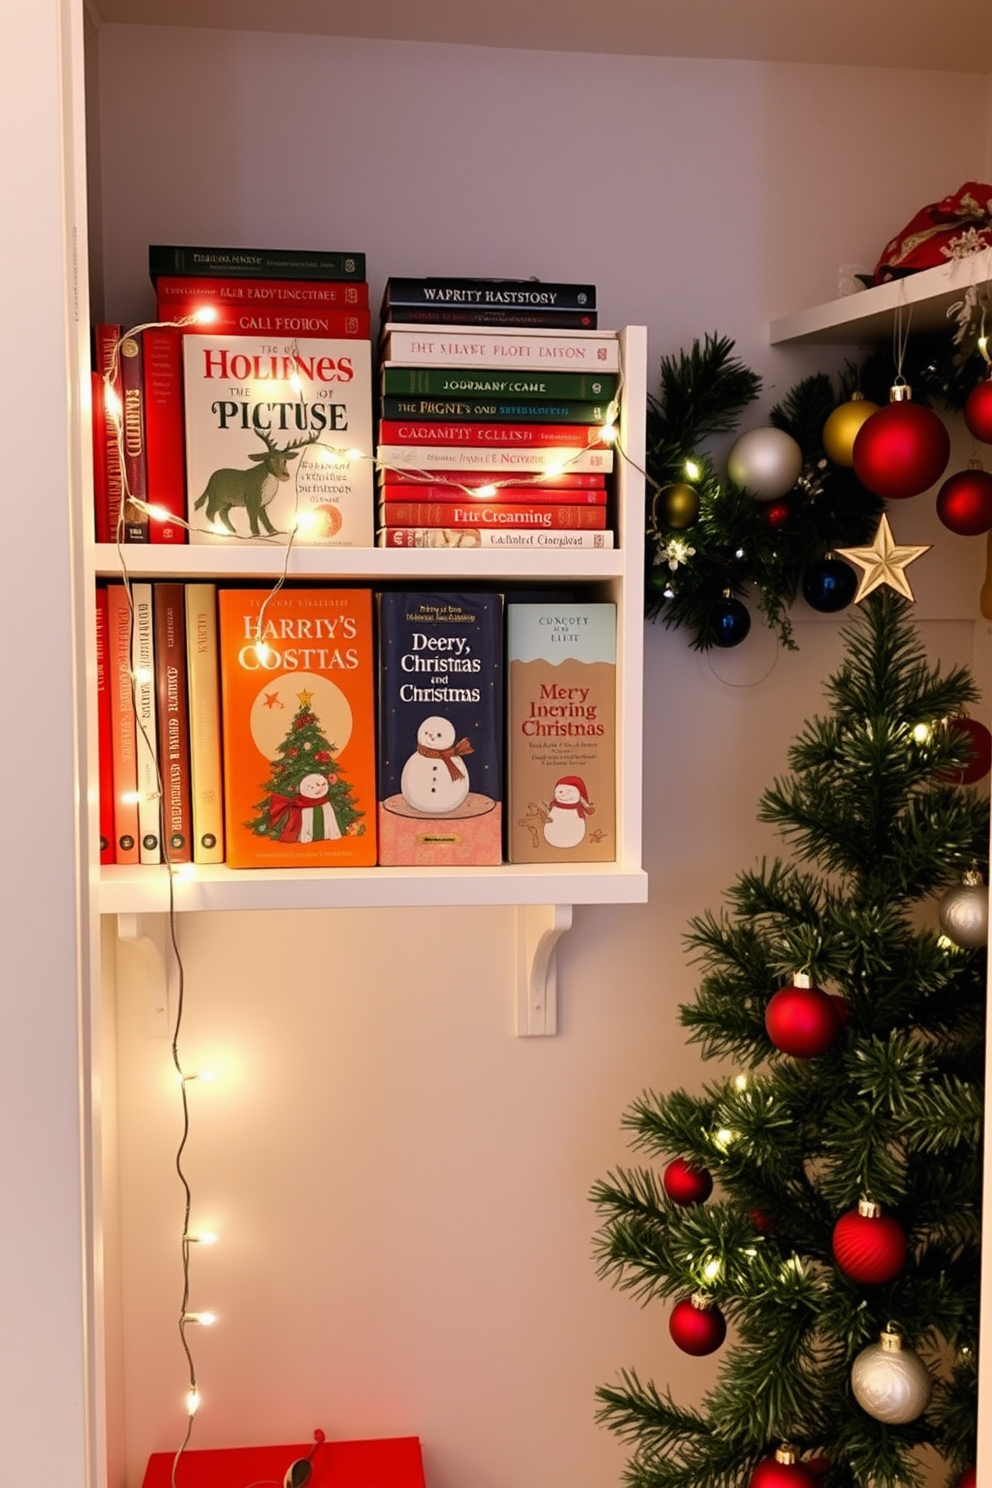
(477, 537)
(486, 346)
(143, 673)
(452, 457)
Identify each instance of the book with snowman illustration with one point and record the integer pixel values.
(440, 729)
(561, 732)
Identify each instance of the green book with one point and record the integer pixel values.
(475, 382)
(499, 410)
(253, 263)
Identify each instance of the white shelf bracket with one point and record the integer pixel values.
(539, 927)
(150, 959)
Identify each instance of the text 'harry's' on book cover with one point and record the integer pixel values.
(297, 689)
(279, 440)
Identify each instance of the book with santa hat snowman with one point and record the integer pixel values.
(561, 732)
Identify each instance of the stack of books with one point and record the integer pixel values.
(489, 436)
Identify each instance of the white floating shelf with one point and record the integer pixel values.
(869, 315)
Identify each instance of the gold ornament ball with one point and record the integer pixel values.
(891, 1382)
(841, 428)
(678, 505)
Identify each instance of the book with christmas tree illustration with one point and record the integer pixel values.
(297, 689)
(440, 729)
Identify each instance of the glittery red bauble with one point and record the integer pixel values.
(968, 1479)
(964, 502)
(901, 450)
(978, 412)
(772, 1474)
(697, 1330)
(686, 1184)
(802, 1021)
(869, 1248)
(980, 741)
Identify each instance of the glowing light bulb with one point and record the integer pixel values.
(262, 650)
(130, 798)
(219, 528)
(205, 1319)
(354, 454)
(330, 456)
(922, 733)
(609, 432)
(296, 382)
(305, 522)
(692, 470)
(205, 315)
(554, 467)
(192, 1400)
(723, 1138)
(158, 513)
(142, 676)
(484, 492)
(740, 1082)
(111, 400)
(201, 1237)
(713, 1270)
(186, 1078)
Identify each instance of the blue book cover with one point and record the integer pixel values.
(440, 729)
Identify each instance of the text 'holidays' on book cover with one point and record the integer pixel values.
(561, 731)
(440, 729)
(269, 424)
(298, 727)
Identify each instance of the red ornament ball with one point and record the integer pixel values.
(978, 412)
(684, 1183)
(697, 1327)
(818, 1465)
(869, 1246)
(964, 502)
(968, 1479)
(901, 450)
(777, 513)
(802, 1021)
(980, 742)
(771, 1473)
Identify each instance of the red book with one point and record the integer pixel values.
(99, 460)
(110, 485)
(303, 294)
(481, 436)
(592, 496)
(575, 480)
(235, 319)
(489, 514)
(123, 726)
(165, 447)
(133, 418)
(172, 719)
(104, 731)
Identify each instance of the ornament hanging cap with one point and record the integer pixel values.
(701, 1302)
(787, 1453)
(868, 1209)
(891, 1338)
(972, 878)
(900, 392)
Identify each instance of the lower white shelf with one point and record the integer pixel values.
(203, 888)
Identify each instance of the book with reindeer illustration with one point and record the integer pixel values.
(278, 440)
(561, 732)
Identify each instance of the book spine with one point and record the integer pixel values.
(206, 787)
(133, 419)
(561, 320)
(511, 495)
(162, 353)
(173, 720)
(105, 744)
(231, 319)
(146, 744)
(491, 382)
(443, 457)
(299, 294)
(454, 479)
(98, 423)
(467, 347)
(480, 410)
(538, 436)
(125, 762)
(105, 339)
(473, 537)
(530, 294)
(253, 263)
(488, 514)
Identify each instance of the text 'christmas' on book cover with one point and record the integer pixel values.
(440, 729)
(297, 697)
(561, 732)
(278, 439)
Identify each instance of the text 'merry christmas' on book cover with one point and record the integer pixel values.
(440, 729)
(298, 727)
(269, 426)
(561, 730)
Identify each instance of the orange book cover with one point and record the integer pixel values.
(297, 701)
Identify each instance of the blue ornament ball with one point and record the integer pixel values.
(829, 585)
(731, 623)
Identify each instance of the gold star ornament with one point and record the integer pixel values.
(885, 562)
(304, 698)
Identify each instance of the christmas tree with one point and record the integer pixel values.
(842, 1241)
(308, 797)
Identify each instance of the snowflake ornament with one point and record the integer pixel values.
(675, 552)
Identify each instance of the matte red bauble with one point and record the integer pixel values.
(968, 1479)
(697, 1325)
(784, 1470)
(964, 501)
(980, 742)
(901, 450)
(686, 1184)
(978, 412)
(801, 1020)
(869, 1246)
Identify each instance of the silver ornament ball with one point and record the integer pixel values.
(964, 913)
(891, 1382)
(767, 462)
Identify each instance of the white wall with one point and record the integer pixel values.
(401, 1185)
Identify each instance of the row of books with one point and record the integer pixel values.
(337, 727)
(260, 423)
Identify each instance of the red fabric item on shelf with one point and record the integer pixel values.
(336, 1464)
(958, 225)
